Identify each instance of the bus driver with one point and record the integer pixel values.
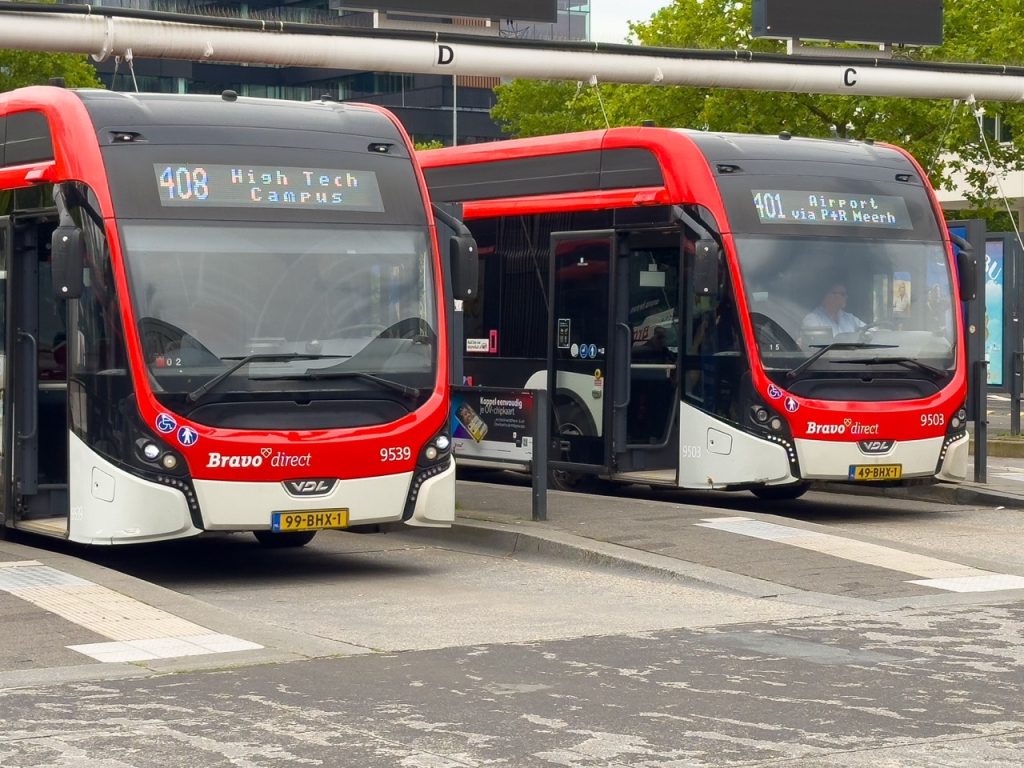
(831, 315)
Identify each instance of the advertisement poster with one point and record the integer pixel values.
(994, 311)
(493, 423)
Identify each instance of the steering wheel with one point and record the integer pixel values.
(771, 336)
(876, 325)
(356, 330)
(414, 328)
(166, 340)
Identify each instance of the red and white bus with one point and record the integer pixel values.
(221, 314)
(716, 311)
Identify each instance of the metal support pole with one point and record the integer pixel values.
(1015, 382)
(539, 463)
(980, 421)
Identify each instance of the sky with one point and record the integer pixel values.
(609, 19)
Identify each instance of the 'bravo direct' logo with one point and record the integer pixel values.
(849, 426)
(266, 456)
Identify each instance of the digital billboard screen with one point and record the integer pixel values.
(912, 22)
(522, 10)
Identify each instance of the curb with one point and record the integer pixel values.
(1003, 448)
(968, 494)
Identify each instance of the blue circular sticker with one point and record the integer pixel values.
(165, 423)
(188, 436)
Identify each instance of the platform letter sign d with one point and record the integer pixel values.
(445, 55)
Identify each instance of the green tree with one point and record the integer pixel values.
(20, 68)
(945, 137)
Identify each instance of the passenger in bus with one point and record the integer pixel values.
(831, 315)
(656, 348)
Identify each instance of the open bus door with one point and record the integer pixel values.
(615, 398)
(35, 460)
(580, 346)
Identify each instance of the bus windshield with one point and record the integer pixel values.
(319, 306)
(878, 304)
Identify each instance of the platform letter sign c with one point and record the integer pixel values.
(445, 55)
(850, 76)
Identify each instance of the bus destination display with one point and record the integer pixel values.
(234, 186)
(789, 206)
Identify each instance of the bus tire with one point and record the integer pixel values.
(573, 420)
(781, 492)
(281, 540)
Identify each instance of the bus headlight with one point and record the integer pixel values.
(959, 418)
(437, 449)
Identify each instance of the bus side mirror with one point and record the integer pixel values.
(706, 264)
(465, 266)
(67, 260)
(967, 271)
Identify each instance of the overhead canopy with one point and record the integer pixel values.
(103, 32)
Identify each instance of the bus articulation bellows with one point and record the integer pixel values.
(222, 314)
(716, 311)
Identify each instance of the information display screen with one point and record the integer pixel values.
(797, 207)
(236, 186)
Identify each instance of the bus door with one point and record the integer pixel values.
(647, 299)
(582, 340)
(35, 414)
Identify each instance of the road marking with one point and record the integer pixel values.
(936, 573)
(139, 631)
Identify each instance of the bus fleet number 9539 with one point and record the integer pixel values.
(402, 453)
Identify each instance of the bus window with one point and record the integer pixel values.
(714, 363)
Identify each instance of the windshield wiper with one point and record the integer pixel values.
(397, 386)
(906, 362)
(240, 362)
(828, 348)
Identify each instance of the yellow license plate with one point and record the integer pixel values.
(876, 471)
(313, 520)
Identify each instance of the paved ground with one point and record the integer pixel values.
(65, 613)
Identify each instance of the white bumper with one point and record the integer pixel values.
(825, 460)
(111, 506)
(234, 506)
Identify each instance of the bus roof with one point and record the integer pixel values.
(637, 166)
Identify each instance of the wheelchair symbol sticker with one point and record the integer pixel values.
(165, 423)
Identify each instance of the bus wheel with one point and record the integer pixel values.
(781, 492)
(279, 540)
(576, 482)
(572, 420)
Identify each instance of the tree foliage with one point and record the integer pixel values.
(946, 137)
(21, 68)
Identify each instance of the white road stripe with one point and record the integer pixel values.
(140, 632)
(936, 573)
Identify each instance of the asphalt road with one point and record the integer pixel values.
(645, 630)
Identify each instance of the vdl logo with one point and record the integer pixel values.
(313, 487)
(876, 446)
